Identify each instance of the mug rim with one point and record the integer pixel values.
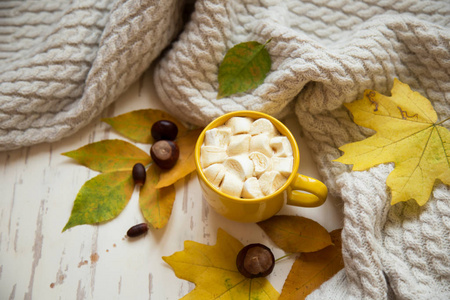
(256, 115)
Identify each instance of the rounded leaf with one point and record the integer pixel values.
(244, 67)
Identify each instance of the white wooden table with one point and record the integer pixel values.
(37, 189)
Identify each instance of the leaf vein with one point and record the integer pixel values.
(396, 141)
(232, 287)
(442, 143)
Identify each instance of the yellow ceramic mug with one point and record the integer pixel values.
(255, 210)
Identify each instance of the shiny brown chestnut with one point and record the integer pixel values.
(137, 230)
(255, 260)
(164, 130)
(165, 153)
(139, 174)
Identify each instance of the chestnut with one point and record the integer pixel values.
(137, 230)
(164, 130)
(165, 153)
(255, 260)
(139, 174)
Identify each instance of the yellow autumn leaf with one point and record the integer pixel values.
(312, 269)
(213, 270)
(109, 155)
(295, 233)
(407, 134)
(185, 163)
(156, 204)
(136, 125)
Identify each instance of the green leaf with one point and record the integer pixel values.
(136, 125)
(244, 67)
(102, 198)
(296, 234)
(109, 155)
(156, 204)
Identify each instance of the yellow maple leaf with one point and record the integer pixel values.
(213, 270)
(407, 134)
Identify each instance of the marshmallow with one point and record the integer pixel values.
(271, 181)
(283, 165)
(231, 185)
(239, 165)
(239, 144)
(261, 143)
(219, 137)
(211, 154)
(261, 163)
(263, 125)
(215, 173)
(239, 124)
(281, 145)
(252, 189)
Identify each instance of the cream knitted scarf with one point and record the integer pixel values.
(325, 53)
(62, 63)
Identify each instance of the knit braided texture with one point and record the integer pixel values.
(326, 53)
(63, 62)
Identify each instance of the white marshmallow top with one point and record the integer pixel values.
(246, 158)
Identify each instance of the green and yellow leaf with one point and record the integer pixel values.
(101, 198)
(109, 155)
(296, 234)
(408, 135)
(156, 204)
(213, 270)
(136, 125)
(244, 67)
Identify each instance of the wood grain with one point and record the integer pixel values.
(37, 189)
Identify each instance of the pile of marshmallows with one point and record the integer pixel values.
(246, 158)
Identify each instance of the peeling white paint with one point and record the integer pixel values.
(37, 189)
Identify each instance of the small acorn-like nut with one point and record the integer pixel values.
(165, 153)
(137, 230)
(139, 174)
(164, 130)
(255, 260)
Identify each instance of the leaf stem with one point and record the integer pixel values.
(443, 121)
(284, 256)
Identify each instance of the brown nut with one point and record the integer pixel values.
(165, 153)
(164, 130)
(255, 260)
(139, 174)
(137, 230)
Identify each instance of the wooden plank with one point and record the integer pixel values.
(38, 261)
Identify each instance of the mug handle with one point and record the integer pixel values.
(316, 196)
